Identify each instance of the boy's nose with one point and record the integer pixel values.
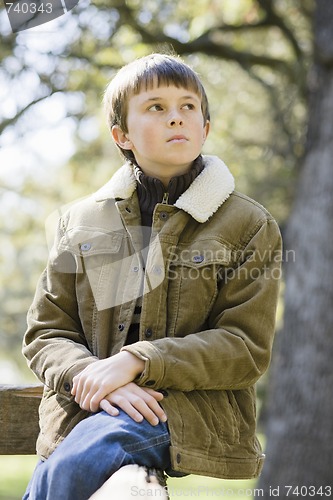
(175, 119)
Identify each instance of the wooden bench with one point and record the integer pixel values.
(19, 419)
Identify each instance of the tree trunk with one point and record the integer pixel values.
(300, 407)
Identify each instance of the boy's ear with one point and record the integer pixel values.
(206, 130)
(121, 138)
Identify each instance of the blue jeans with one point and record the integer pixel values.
(95, 449)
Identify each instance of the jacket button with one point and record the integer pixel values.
(178, 458)
(198, 259)
(136, 269)
(85, 247)
(121, 327)
(164, 393)
(164, 216)
(157, 270)
(67, 387)
(150, 382)
(148, 333)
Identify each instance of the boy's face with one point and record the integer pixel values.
(166, 130)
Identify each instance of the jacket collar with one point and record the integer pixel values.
(209, 190)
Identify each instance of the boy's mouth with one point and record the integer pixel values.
(178, 138)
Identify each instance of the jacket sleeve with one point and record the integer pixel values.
(54, 343)
(236, 348)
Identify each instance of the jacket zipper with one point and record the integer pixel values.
(165, 198)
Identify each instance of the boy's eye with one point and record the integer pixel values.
(189, 106)
(155, 107)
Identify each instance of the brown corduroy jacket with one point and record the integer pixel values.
(209, 285)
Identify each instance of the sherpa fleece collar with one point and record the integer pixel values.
(209, 190)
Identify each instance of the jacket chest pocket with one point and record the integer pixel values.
(108, 261)
(194, 273)
(91, 247)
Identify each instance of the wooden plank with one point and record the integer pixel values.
(19, 419)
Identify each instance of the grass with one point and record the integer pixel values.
(15, 472)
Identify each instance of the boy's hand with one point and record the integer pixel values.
(137, 402)
(103, 377)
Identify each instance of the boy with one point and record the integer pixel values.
(155, 316)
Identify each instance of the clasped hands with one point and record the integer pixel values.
(108, 384)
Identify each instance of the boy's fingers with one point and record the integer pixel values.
(158, 396)
(94, 401)
(152, 399)
(131, 411)
(150, 409)
(87, 394)
(138, 405)
(76, 389)
(137, 402)
(107, 406)
(73, 391)
(79, 389)
(156, 409)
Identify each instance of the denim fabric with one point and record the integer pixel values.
(95, 449)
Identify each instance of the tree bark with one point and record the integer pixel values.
(300, 409)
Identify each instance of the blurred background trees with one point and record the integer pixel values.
(260, 61)
(300, 425)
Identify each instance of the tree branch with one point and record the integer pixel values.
(9, 121)
(278, 111)
(206, 45)
(273, 19)
(243, 58)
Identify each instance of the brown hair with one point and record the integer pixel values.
(144, 73)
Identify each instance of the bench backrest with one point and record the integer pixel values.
(19, 426)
